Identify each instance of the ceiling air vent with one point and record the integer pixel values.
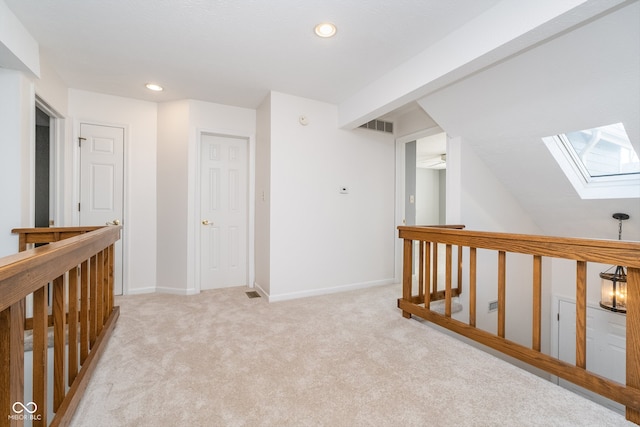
(379, 125)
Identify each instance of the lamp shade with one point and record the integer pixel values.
(614, 290)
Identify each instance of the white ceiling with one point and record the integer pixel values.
(234, 52)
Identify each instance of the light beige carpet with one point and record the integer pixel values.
(348, 359)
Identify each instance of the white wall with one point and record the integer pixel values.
(172, 200)
(427, 197)
(477, 199)
(224, 120)
(139, 118)
(179, 126)
(321, 240)
(18, 49)
(564, 280)
(263, 197)
(16, 141)
(51, 89)
(411, 122)
(53, 97)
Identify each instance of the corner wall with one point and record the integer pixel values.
(263, 197)
(179, 126)
(16, 139)
(221, 120)
(323, 241)
(172, 200)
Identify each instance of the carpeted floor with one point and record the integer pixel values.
(348, 359)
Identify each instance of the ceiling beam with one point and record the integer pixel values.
(502, 31)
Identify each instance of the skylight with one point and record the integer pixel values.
(603, 151)
(600, 162)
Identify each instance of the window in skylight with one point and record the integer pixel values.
(600, 162)
(603, 151)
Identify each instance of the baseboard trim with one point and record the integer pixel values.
(276, 297)
(175, 291)
(256, 287)
(325, 291)
(140, 291)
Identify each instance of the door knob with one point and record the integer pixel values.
(206, 222)
(114, 222)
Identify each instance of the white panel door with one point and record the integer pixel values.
(223, 211)
(102, 182)
(606, 347)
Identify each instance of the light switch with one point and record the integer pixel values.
(412, 199)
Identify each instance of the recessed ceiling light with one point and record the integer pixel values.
(154, 87)
(325, 29)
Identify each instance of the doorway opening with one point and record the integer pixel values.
(420, 183)
(47, 156)
(43, 170)
(425, 180)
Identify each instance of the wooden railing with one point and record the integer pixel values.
(68, 286)
(582, 251)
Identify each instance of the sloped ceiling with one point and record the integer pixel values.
(234, 52)
(582, 79)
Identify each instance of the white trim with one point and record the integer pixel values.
(29, 155)
(173, 291)
(614, 187)
(399, 211)
(399, 190)
(324, 291)
(553, 333)
(56, 156)
(140, 291)
(260, 289)
(419, 134)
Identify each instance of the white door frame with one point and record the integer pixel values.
(125, 192)
(400, 176)
(194, 226)
(56, 178)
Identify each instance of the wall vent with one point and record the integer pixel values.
(379, 125)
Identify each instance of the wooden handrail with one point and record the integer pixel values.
(75, 259)
(21, 274)
(591, 250)
(582, 251)
(48, 234)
